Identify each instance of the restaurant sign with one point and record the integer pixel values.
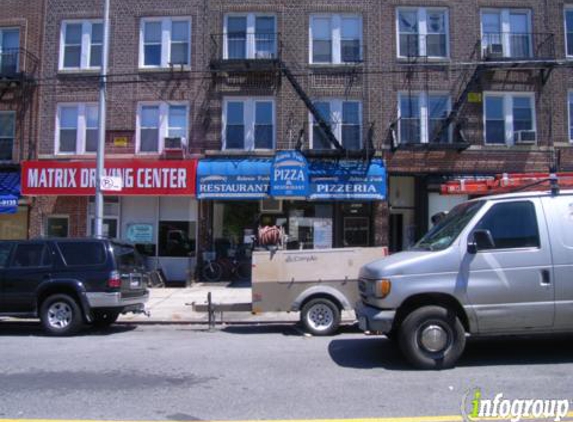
(138, 177)
(289, 175)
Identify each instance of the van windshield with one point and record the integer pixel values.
(443, 234)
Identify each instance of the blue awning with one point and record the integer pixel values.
(348, 180)
(233, 178)
(9, 192)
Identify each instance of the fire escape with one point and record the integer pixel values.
(256, 60)
(18, 68)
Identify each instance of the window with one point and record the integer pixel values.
(9, 50)
(29, 255)
(7, 134)
(127, 257)
(82, 253)
(165, 42)
(248, 123)
(176, 238)
(110, 216)
(571, 116)
(250, 36)
(506, 33)
(569, 31)
(345, 120)
(512, 225)
(422, 32)
(77, 128)
(81, 45)
(5, 249)
(157, 121)
(335, 39)
(509, 118)
(421, 117)
(57, 226)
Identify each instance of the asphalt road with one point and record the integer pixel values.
(183, 372)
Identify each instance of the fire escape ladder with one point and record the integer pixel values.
(458, 106)
(322, 124)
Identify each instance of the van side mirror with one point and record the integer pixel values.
(482, 239)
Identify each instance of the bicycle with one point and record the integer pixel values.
(214, 269)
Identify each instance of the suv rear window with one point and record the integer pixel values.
(127, 256)
(82, 253)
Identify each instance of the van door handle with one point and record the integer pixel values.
(545, 277)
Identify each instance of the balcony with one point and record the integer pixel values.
(517, 47)
(17, 65)
(244, 51)
(407, 134)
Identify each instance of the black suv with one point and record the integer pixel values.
(69, 282)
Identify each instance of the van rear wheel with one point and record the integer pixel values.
(320, 317)
(432, 337)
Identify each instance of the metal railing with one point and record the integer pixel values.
(17, 61)
(517, 46)
(246, 46)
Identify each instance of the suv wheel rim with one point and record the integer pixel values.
(59, 315)
(320, 317)
(434, 338)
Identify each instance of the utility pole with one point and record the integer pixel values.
(100, 158)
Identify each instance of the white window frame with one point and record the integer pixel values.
(13, 114)
(86, 44)
(423, 101)
(569, 109)
(249, 110)
(508, 113)
(422, 13)
(163, 124)
(251, 47)
(6, 29)
(336, 36)
(336, 115)
(166, 23)
(81, 128)
(566, 9)
(504, 19)
(106, 216)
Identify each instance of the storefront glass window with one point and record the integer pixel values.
(176, 238)
(310, 226)
(57, 226)
(356, 231)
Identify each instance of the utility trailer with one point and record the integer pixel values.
(318, 283)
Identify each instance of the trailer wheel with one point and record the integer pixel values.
(320, 317)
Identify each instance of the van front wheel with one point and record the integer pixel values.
(432, 337)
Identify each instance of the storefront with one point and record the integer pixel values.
(13, 210)
(155, 208)
(320, 204)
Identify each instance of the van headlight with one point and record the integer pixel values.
(382, 288)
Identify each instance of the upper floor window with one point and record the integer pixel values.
(165, 42)
(570, 101)
(506, 33)
(509, 118)
(248, 123)
(77, 128)
(157, 121)
(9, 50)
(7, 134)
(250, 36)
(423, 32)
(335, 39)
(569, 31)
(345, 120)
(421, 117)
(81, 45)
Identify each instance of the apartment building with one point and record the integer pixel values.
(20, 42)
(206, 98)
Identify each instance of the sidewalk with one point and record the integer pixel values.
(173, 305)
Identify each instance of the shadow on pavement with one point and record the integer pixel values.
(379, 352)
(287, 329)
(33, 328)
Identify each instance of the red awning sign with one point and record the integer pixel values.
(138, 177)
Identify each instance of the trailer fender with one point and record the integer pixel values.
(321, 291)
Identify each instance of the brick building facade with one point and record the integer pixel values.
(384, 75)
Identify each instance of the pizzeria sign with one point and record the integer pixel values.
(138, 177)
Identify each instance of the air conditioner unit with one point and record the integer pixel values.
(271, 206)
(174, 143)
(494, 51)
(525, 137)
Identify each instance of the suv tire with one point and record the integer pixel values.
(103, 319)
(432, 337)
(320, 317)
(60, 315)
